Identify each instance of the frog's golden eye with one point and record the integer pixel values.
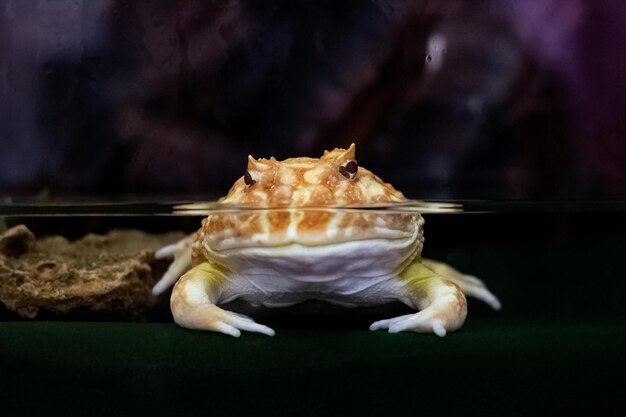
(247, 178)
(349, 169)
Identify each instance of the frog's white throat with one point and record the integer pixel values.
(337, 269)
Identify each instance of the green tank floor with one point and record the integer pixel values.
(490, 367)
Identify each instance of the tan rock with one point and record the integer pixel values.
(108, 276)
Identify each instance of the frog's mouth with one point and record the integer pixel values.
(311, 228)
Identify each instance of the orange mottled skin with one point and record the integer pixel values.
(311, 186)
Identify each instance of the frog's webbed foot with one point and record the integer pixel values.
(211, 317)
(193, 304)
(443, 309)
(469, 284)
(181, 251)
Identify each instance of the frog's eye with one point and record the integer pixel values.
(349, 169)
(247, 178)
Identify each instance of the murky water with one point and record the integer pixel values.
(558, 260)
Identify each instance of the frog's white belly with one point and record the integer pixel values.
(361, 272)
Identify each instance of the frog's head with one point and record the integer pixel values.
(298, 200)
(335, 179)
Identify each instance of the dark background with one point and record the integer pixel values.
(477, 99)
(445, 99)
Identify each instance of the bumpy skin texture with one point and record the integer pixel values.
(310, 182)
(302, 183)
(294, 244)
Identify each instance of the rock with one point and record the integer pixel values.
(104, 276)
(16, 241)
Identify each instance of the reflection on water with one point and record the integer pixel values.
(204, 208)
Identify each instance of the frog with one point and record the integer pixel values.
(296, 236)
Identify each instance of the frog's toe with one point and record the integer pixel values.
(176, 269)
(232, 324)
(385, 324)
(227, 329)
(470, 285)
(213, 318)
(181, 251)
(241, 322)
(411, 322)
(483, 294)
(422, 323)
(439, 328)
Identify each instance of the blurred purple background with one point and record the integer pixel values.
(446, 99)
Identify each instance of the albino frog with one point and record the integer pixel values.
(304, 251)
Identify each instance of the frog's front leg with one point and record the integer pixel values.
(181, 251)
(194, 299)
(441, 303)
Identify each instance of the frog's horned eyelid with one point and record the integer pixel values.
(349, 169)
(248, 179)
(251, 162)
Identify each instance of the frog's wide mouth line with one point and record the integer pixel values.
(404, 206)
(205, 208)
(180, 208)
